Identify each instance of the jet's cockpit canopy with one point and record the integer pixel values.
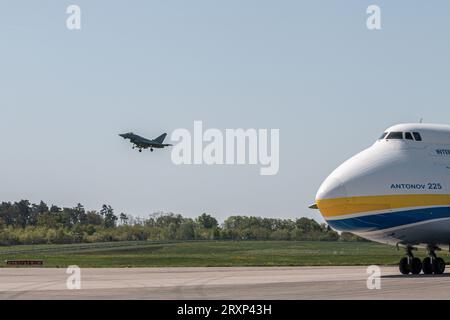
(414, 136)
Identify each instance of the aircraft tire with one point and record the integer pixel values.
(439, 266)
(427, 266)
(404, 266)
(416, 266)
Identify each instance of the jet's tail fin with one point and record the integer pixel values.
(161, 138)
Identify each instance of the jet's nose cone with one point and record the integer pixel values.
(331, 188)
(332, 197)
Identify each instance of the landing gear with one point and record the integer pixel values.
(440, 266)
(151, 149)
(433, 264)
(410, 264)
(404, 266)
(140, 150)
(430, 265)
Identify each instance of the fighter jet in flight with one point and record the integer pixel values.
(142, 143)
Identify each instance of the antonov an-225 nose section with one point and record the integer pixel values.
(396, 192)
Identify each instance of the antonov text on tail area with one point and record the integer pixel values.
(143, 143)
(396, 192)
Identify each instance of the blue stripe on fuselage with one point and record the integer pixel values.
(382, 221)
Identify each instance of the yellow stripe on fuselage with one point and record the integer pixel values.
(351, 205)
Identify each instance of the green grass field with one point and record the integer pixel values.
(209, 253)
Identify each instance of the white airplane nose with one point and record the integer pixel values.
(331, 188)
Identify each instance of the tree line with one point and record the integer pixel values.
(23, 222)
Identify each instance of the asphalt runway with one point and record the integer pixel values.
(221, 283)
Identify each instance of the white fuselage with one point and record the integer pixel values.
(396, 191)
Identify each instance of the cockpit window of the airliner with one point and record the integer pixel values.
(395, 135)
(383, 135)
(417, 136)
(408, 136)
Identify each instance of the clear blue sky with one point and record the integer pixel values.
(309, 68)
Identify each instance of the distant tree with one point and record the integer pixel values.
(35, 211)
(164, 220)
(307, 225)
(234, 222)
(55, 209)
(186, 230)
(172, 231)
(330, 235)
(94, 218)
(80, 214)
(48, 220)
(123, 218)
(42, 207)
(7, 213)
(347, 236)
(22, 210)
(72, 215)
(109, 217)
(64, 218)
(206, 221)
(280, 234)
(104, 210)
